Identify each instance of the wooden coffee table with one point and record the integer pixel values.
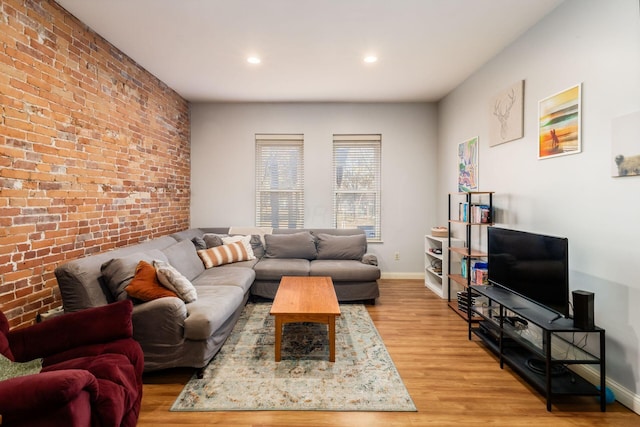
(306, 299)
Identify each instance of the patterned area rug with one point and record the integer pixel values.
(244, 376)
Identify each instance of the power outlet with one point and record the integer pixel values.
(396, 256)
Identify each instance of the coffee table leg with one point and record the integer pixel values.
(278, 337)
(332, 338)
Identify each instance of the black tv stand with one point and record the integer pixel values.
(538, 366)
(541, 348)
(556, 317)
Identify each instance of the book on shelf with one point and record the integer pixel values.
(474, 213)
(463, 209)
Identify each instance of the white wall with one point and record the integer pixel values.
(223, 179)
(597, 43)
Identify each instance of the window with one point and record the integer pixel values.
(279, 181)
(356, 183)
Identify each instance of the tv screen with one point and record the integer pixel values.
(534, 266)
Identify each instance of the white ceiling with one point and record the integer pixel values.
(311, 50)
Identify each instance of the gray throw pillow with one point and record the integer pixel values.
(213, 240)
(256, 245)
(199, 243)
(297, 245)
(370, 259)
(341, 247)
(117, 273)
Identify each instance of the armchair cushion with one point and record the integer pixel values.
(91, 373)
(81, 328)
(4, 345)
(46, 390)
(117, 383)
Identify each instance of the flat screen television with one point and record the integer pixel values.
(534, 266)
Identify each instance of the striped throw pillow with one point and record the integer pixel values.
(225, 254)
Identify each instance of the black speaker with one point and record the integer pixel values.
(583, 310)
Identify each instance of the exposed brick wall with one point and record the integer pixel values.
(94, 152)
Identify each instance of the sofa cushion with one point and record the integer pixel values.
(172, 279)
(118, 272)
(344, 270)
(227, 275)
(211, 311)
(295, 245)
(184, 258)
(145, 285)
(341, 247)
(275, 268)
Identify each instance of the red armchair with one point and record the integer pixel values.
(91, 375)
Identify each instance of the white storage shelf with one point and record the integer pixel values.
(435, 280)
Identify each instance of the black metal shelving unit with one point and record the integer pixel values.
(467, 252)
(551, 347)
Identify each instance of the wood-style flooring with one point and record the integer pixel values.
(452, 381)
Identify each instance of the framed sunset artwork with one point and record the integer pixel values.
(559, 124)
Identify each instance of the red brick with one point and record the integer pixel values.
(79, 120)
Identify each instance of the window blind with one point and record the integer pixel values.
(356, 183)
(280, 180)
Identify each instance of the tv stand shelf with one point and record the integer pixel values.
(519, 331)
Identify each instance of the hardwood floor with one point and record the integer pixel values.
(452, 381)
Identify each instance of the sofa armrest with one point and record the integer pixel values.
(160, 321)
(370, 259)
(20, 395)
(87, 327)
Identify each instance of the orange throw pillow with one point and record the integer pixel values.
(145, 285)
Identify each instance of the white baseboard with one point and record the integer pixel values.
(405, 276)
(623, 395)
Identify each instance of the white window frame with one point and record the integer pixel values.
(367, 162)
(280, 180)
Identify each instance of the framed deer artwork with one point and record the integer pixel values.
(506, 115)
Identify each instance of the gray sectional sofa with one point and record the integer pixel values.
(173, 333)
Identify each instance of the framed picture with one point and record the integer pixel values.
(625, 145)
(468, 165)
(559, 124)
(506, 115)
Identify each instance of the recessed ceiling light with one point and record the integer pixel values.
(370, 59)
(253, 60)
